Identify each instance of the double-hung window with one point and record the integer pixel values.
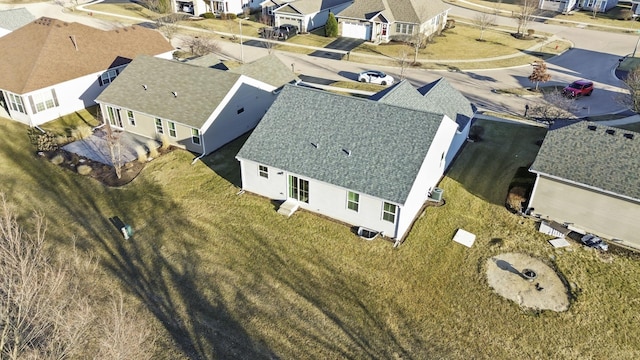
(263, 171)
(172, 128)
(353, 201)
(159, 127)
(195, 136)
(389, 212)
(132, 119)
(16, 103)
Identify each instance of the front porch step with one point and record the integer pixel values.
(288, 207)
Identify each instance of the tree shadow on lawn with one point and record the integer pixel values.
(168, 285)
(487, 168)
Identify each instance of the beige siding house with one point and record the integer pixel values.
(381, 21)
(587, 177)
(50, 68)
(196, 108)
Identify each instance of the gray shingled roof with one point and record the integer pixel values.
(409, 11)
(15, 18)
(387, 143)
(437, 97)
(594, 158)
(199, 90)
(312, 6)
(268, 69)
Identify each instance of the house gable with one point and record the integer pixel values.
(48, 51)
(592, 155)
(345, 141)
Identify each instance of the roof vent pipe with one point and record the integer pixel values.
(144, 86)
(347, 151)
(175, 94)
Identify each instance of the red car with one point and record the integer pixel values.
(578, 88)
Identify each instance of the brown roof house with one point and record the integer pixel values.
(55, 68)
(381, 21)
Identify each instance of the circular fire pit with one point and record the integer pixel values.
(529, 274)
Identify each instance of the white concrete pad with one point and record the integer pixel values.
(559, 242)
(464, 237)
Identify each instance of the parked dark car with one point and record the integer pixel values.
(593, 241)
(282, 32)
(578, 88)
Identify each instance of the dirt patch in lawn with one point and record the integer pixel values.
(527, 281)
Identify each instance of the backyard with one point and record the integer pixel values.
(219, 274)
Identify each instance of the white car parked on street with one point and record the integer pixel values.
(375, 77)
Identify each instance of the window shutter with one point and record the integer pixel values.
(33, 106)
(55, 98)
(100, 80)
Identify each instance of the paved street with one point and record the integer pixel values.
(594, 56)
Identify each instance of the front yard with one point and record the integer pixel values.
(220, 274)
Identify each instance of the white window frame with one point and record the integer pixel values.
(195, 136)
(108, 76)
(263, 171)
(159, 126)
(172, 128)
(353, 204)
(16, 103)
(43, 101)
(131, 117)
(387, 215)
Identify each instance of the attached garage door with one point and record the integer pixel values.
(356, 30)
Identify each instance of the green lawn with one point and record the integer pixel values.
(221, 275)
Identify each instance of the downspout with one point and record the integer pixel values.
(203, 153)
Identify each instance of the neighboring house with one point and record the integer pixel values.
(635, 8)
(196, 108)
(267, 7)
(199, 7)
(561, 6)
(565, 6)
(55, 68)
(599, 5)
(381, 21)
(308, 14)
(366, 162)
(587, 177)
(13, 19)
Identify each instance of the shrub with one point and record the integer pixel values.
(530, 32)
(165, 142)
(57, 160)
(81, 132)
(516, 197)
(84, 169)
(153, 148)
(625, 14)
(450, 24)
(142, 154)
(208, 15)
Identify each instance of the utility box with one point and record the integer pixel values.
(436, 194)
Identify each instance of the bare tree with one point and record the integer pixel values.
(124, 336)
(115, 146)
(632, 100)
(168, 25)
(202, 45)
(497, 6)
(539, 73)
(38, 317)
(528, 9)
(403, 61)
(555, 106)
(596, 8)
(484, 21)
(419, 41)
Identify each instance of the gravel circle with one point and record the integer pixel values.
(545, 292)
